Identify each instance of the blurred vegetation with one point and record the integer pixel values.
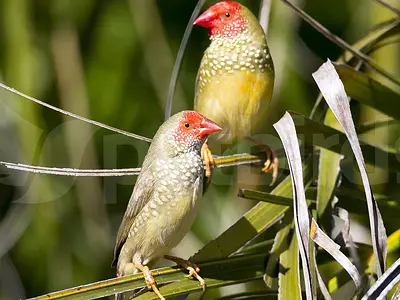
(111, 61)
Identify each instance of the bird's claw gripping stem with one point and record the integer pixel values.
(149, 279)
(191, 267)
(208, 160)
(271, 165)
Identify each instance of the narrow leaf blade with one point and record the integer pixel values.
(322, 240)
(287, 133)
(385, 283)
(333, 91)
(289, 276)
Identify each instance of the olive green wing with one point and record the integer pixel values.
(141, 195)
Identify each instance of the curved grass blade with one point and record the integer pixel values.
(322, 240)
(287, 133)
(75, 116)
(347, 238)
(333, 91)
(230, 271)
(385, 283)
(179, 58)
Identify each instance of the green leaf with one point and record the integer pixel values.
(265, 197)
(368, 91)
(289, 275)
(328, 173)
(281, 244)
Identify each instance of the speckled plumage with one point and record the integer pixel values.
(236, 76)
(165, 198)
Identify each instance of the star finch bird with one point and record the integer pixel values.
(165, 198)
(236, 76)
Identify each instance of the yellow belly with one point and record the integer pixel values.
(236, 101)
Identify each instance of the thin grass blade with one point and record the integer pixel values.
(220, 162)
(281, 243)
(71, 171)
(179, 58)
(287, 133)
(289, 275)
(322, 240)
(385, 283)
(333, 91)
(75, 116)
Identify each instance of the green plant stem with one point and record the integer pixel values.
(217, 273)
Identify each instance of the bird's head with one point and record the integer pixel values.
(226, 18)
(185, 131)
(193, 127)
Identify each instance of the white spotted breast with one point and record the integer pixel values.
(234, 84)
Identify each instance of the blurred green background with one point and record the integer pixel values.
(111, 61)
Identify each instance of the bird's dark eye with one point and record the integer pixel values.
(187, 125)
(228, 15)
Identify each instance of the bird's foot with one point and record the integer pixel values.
(208, 160)
(149, 279)
(191, 267)
(271, 165)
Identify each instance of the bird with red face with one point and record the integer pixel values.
(236, 76)
(165, 198)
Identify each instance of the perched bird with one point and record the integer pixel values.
(166, 197)
(236, 76)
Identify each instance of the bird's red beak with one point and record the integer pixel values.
(207, 127)
(206, 18)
